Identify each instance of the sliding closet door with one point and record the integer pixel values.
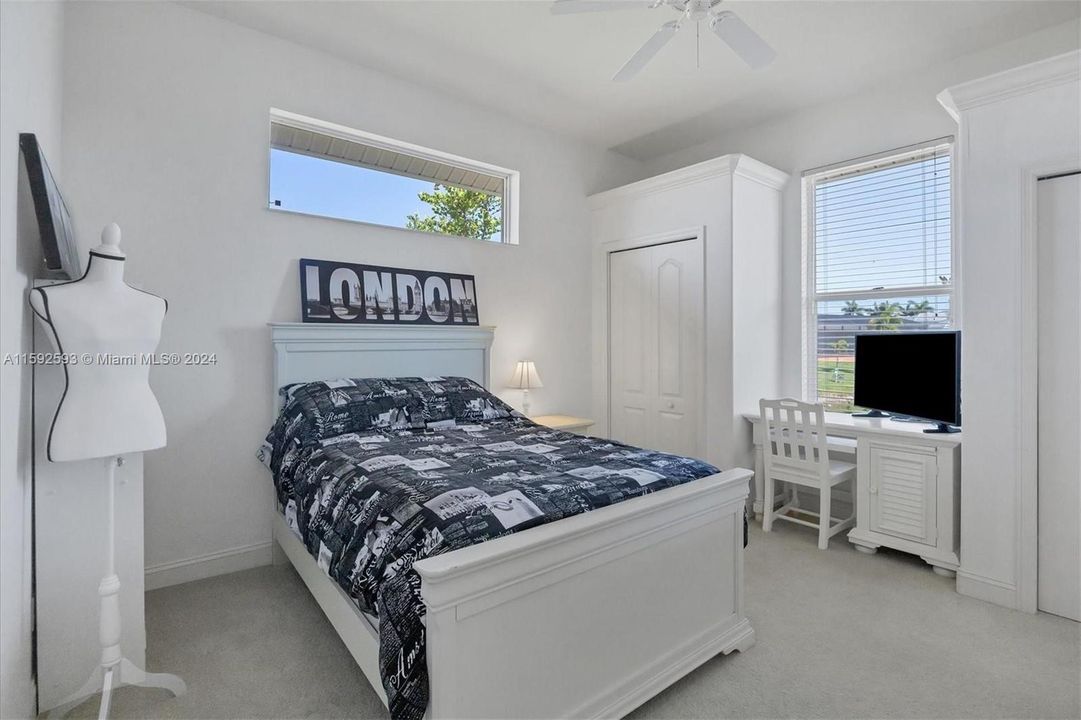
(632, 337)
(1059, 398)
(678, 307)
(656, 346)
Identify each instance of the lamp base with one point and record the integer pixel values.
(525, 403)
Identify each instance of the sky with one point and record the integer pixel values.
(332, 189)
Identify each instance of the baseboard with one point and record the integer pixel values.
(209, 565)
(987, 589)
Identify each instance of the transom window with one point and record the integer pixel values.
(319, 168)
(878, 254)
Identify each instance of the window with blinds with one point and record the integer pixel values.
(318, 168)
(879, 256)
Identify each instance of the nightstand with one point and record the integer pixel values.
(569, 423)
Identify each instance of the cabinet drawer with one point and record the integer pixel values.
(902, 492)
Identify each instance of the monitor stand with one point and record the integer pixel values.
(943, 428)
(871, 414)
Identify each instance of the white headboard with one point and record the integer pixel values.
(304, 352)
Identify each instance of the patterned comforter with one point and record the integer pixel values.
(371, 502)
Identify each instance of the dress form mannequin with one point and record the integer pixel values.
(107, 409)
(105, 332)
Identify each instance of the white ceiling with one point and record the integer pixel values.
(555, 71)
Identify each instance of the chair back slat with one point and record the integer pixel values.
(794, 436)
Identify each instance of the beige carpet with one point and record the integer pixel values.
(840, 635)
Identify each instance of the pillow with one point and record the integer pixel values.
(453, 400)
(336, 407)
(316, 411)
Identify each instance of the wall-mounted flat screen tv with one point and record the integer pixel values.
(58, 248)
(914, 374)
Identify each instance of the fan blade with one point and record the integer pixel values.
(645, 53)
(746, 43)
(567, 7)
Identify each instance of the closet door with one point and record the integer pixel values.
(678, 312)
(1059, 399)
(656, 346)
(632, 335)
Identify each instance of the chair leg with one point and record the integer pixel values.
(767, 504)
(824, 518)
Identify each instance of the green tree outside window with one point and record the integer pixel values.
(457, 211)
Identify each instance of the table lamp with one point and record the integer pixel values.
(525, 378)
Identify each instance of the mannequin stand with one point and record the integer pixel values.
(115, 670)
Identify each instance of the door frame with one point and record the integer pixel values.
(1028, 506)
(602, 363)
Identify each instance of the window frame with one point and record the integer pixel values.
(511, 178)
(810, 297)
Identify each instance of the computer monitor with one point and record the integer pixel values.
(916, 374)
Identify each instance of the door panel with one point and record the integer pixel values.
(655, 350)
(679, 308)
(903, 493)
(630, 362)
(669, 330)
(1058, 584)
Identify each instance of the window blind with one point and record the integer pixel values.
(886, 226)
(880, 251)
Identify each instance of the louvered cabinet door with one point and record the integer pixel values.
(902, 492)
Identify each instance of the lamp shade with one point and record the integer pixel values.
(525, 376)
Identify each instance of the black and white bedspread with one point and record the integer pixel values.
(423, 467)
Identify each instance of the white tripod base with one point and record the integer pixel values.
(108, 679)
(114, 670)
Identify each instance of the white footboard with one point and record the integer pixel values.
(592, 615)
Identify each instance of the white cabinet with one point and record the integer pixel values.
(568, 423)
(907, 498)
(687, 306)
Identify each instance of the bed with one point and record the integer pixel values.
(588, 616)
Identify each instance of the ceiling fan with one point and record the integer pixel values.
(725, 24)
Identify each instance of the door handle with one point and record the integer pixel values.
(671, 405)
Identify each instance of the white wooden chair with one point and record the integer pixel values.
(795, 450)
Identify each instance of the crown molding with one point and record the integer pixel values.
(1057, 70)
(734, 164)
(759, 172)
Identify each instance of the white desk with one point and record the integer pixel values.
(908, 486)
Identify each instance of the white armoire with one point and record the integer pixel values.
(1014, 128)
(687, 307)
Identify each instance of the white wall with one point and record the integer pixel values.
(166, 130)
(1014, 127)
(30, 84)
(895, 115)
